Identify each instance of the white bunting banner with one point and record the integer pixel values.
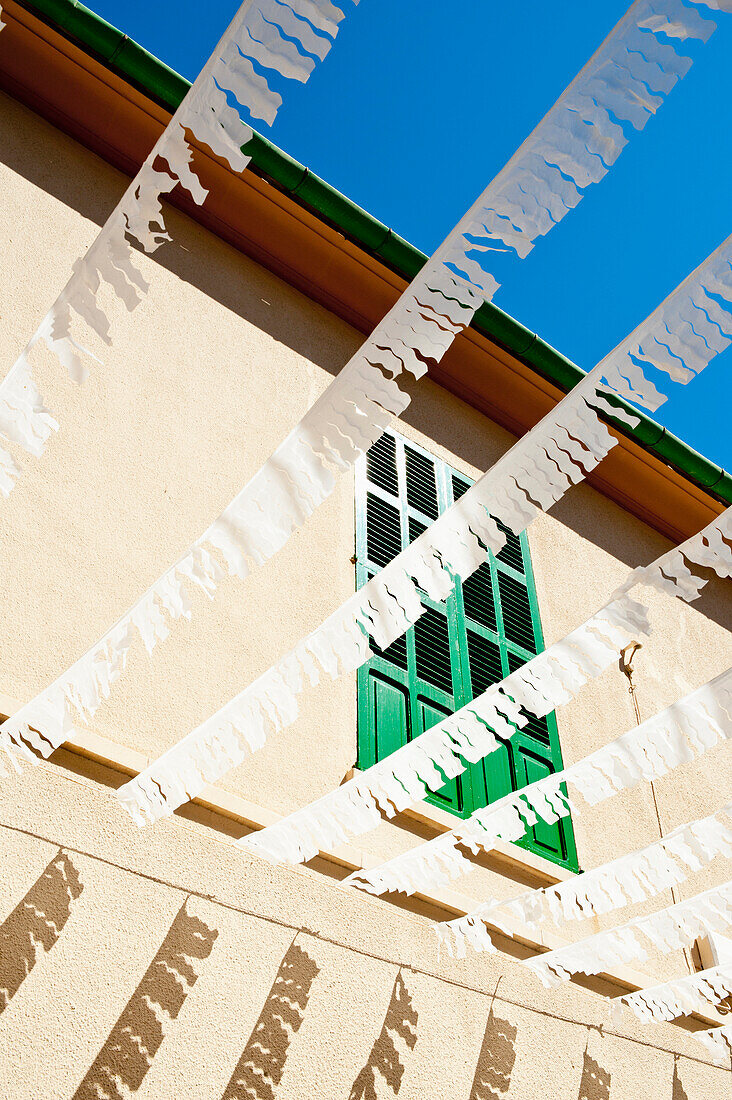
(619, 89)
(339, 645)
(718, 1041)
(285, 41)
(576, 143)
(679, 997)
(628, 880)
(673, 737)
(667, 930)
(534, 473)
(444, 751)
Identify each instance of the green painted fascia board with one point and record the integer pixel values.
(162, 84)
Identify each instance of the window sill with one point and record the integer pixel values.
(509, 856)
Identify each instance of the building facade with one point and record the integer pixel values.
(164, 962)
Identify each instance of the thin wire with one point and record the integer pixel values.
(626, 667)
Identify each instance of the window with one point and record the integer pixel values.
(486, 629)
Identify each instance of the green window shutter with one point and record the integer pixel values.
(417, 681)
(487, 628)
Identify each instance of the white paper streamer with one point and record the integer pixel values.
(384, 608)
(455, 545)
(352, 413)
(283, 39)
(679, 997)
(472, 932)
(535, 473)
(718, 1041)
(443, 751)
(680, 338)
(621, 86)
(405, 777)
(628, 880)
(710, 549)
(270, 703)
(669, 929)
(675, 736)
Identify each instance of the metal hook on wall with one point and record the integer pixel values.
(625, 663)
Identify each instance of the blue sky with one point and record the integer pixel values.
(420, 103)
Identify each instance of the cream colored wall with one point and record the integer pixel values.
(68, 1012)
(203, 380)
(201, 384)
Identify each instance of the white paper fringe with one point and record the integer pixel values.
(573, 146)
(718, 1041)
(622, 85)
(628, 880)
(425, 763)
(679, 997)
(667, 930)
(680, 338)
(675, 736)
(455, 545)
(535, 473)
(444, 751)
(384, 608)
(352, 413)
(710, 549)
(265, 37)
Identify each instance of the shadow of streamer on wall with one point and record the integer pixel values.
(35, 923)
(678, 1092)
(400, 1022)
(595, 1083)
(495, 1061)
(133, 1042)
(259, 1070)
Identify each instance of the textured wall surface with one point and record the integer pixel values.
(186, 969)
(125, 985)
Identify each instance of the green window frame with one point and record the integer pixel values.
(488, 627)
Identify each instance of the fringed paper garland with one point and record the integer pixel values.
(619, 89)
(628, 880)
(405, 776)
(718, 1041)
(471, 933)
(679, 997)
(680, 337)
(456, 544)
(266, 39)
(384, 608)
(444, 751)
(352, 413)
(667, 930)
(675, 736)
(534, 474)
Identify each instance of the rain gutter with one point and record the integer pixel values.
(125, 57)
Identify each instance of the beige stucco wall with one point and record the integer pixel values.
(61, 1018)
(203, 380)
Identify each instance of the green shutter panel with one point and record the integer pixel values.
(487, 628)
(535, 754)
(502, 632)
(408, 688)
